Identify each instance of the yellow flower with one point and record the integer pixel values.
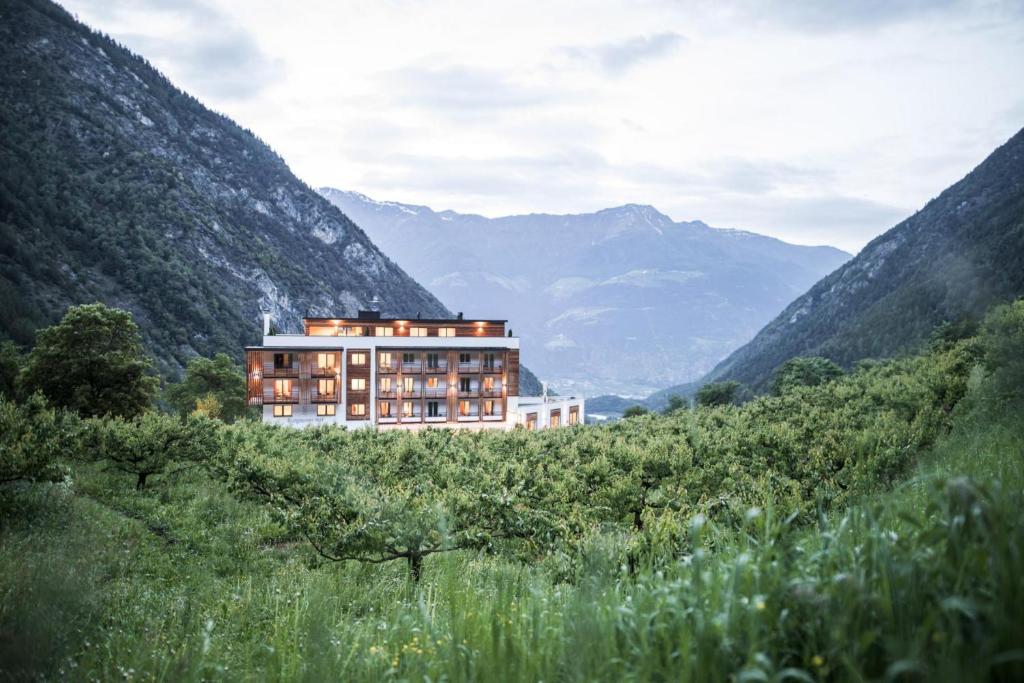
(818, 661)
(759, 605)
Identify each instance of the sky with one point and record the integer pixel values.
(813, 121)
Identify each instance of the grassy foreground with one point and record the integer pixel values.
(925, 582)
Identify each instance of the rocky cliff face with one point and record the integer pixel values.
(621, 300)
(949, 262)
(116, 186)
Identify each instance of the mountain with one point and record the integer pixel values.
(950, 261)
(623, 300)
(117, 186)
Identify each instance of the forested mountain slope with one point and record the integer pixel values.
(950, 261)
(624, 299)
(116, 186)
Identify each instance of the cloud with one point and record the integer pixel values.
(820, 16)
(463, 90)
(619, 56)
(201, 48)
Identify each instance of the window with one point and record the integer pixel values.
(408, 357)
(531, 421)
(432, 383)
(282, 361)
(489, 361)
(464, 407)
(488, 384)
(384, 331)
(282, 388)
(417, 332)
(489, 407)
(464, 384)
(464, 358)
(351, 331)
(556, 418)
(325, 387)
(406, 408)
(446, 332)
(325, 361)
(574, 416)
(384, 359)
(283, 411)
(385, 384)
(432, 409)
(322, 330)
(326, 409)
(358, 409)
(432, 360)
(385, 409)
(357, 384)
(408, 385)
(357, 359)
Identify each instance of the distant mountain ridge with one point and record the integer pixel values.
(624, 299)
(949, 262)
(117, 186)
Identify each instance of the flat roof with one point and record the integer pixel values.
(466, 321)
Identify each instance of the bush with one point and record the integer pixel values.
(32, 438)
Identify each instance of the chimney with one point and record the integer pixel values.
(459, 316)
(266, 324)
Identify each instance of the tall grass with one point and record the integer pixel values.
(187, 583)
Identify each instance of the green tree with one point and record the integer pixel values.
(718, 393)
(216, 377)
(148, 444)
(676, 403)
(92, 362)
(804, 372)
(32, 437)
(10, 366)
(635, 411)
(1002, 343)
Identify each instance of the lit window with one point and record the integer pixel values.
(384, 331)
(326, 409)
(464, 407)
(488, 384)
(325, 361)
(556, 418)
(325, 387)
(384, 359)
(489, 407)
(406, 408)
(385, 409)
(408, 385)
(283, 411)
(531, 421)
(282, 388)
(322, 330)
(446, 332)
(417, 332)
(357, 358)
(432, 383)
(352, 331)
(385, 384)
(574, 417)
(358, 409)
(357, 384)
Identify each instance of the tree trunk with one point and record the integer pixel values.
(638, 521)
(416, 566)
(141, 483)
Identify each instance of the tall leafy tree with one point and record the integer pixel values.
(804, 372)
(32, 436)
(10, 366)
(216, 378)
(92, 362)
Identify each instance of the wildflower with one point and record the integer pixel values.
(759, 605)
(818, 661)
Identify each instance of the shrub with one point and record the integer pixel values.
(32, 437)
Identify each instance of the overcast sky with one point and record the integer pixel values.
(816, 122)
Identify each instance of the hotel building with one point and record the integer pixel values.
(390, 373)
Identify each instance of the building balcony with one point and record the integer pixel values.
(440, 368)
(326, 372)
(387, 367)
(436, 418)
(440, 392)
(414, 367)
(324, 398)
(292, 371)
(387, 394)
(413, 393)
(473, 366)
(285, 398)
(494, 367)
(491, 393)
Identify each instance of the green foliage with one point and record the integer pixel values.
(718, 394)
(804, 372)
(676, 402)
(10, 366)
(218, 378)
(148, 444)
(92, 362)
(1003, 348)
(32, 438)
(635, 411)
